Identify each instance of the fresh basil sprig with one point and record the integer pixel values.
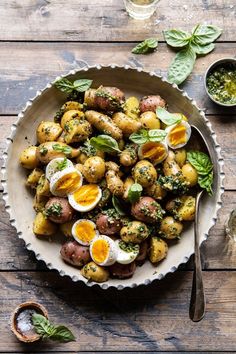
(46, 329)
(168, 118)
(105, 143)
(118, 205)
(68, 86)
(143, 136)
(147, 46)
(198, 42)
(135, 192)
(202, 163)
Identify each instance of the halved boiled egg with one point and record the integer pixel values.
(65, 182)
(85, 198)
(84, 231)
(178, 135)
(56, 165)
(156, 152)
(127, 252)
(103, 250)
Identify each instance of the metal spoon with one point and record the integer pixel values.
(197, 302)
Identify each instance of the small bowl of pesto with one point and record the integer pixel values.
(220, 82)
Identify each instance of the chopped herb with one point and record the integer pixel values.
(55, 209)
(114, 101)
(43, 151)
(62, 164)
(61, 148)
(175, 184)
(128, 247)
(88, 149)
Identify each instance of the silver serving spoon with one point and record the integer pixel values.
(197, 301)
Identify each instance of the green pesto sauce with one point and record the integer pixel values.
(221, 84)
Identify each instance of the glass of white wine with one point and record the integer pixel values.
(140, 9)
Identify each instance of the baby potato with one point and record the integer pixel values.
(150, 103)
(34, 177)
(170, 228)
(104, 124)
(134, 231)
(111, 165)
(128, 157)
(190, 174)
(90, 98)
(50, 150)
(48, 131)
(72, 105)
(66, 228)
(144, 173)
(77, 130)
(75, 254)
(146, 209)
(170, 166)
(59, 210)
(126, 124)
(84, 155)
(94, 272)
(158, 250)
(109, 98)
(186, 211)
(131, 107)
(28, 158)
(69, 115)
(94, 169)
(114, 183)
(149, 120)
(180, 156)
(127, 184)
(79, 167)
(156, 191)
(43, 187)
(123, 271)
(39, 203)
(43, 226)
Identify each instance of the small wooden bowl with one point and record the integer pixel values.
(26, 305)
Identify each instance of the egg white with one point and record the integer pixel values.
(83, 208)
(188, 134)
(52, 166)
(60, 174)
(112, 252)
(76, 236)
(124, 257)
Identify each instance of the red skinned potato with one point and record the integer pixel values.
(147, 210)
(104, 102)
(75, 254)
(122, 271)
(59, 210)
(109, 223)
(150, 103)
(143, 251)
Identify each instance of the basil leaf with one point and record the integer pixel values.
(202, 49)
(135, 192)
(156, 135)
(200, 161)
(206, 34)
(181, 66)
(141, 137)
(206, 182)
(64, 85)
(119, 206)
(177, 38)
(167, 117)
(105, 143)
(41, 325)
(146, 46)
(82, 85)
(62, 334)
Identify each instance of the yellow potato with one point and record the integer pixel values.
(69, 115)
(186, 211)
(94, 169)
(48, 151)
(158, 250)
(127, 184)
(77, 130)
(48, 131)
(180, 156)
(43, 226)
(190, 174)
(131, 107)
(39, 203)
(28, 158)
(94, 272)
(66, 228)
(170, 166)
(34, 177)
(104, 124)
(144, 173)
(126, 124)
(134, 231)
(43, 187)
(128, 157)
(156, 191)
(90, 98)
(149, 120)
(72, 105)
(114, 183)
(170, 228)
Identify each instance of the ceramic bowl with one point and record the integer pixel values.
(19, 200)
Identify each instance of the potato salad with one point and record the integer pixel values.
(115, 176)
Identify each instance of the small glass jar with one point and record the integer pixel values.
(141, 9)
(230, 225)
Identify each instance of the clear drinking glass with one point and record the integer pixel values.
(140, 9)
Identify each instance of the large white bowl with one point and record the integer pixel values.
(18, 198)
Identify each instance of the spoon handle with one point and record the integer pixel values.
(197, 302)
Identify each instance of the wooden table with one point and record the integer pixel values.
(40, 39)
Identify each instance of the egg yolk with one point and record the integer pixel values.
(153, 151)
(178, 135)
(68, 182)
(100, 251)
(85, 231)
(86, 194)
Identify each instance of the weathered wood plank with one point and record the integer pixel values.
(217, 251)
(153, 318)
(106, 21)
(33, 65)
